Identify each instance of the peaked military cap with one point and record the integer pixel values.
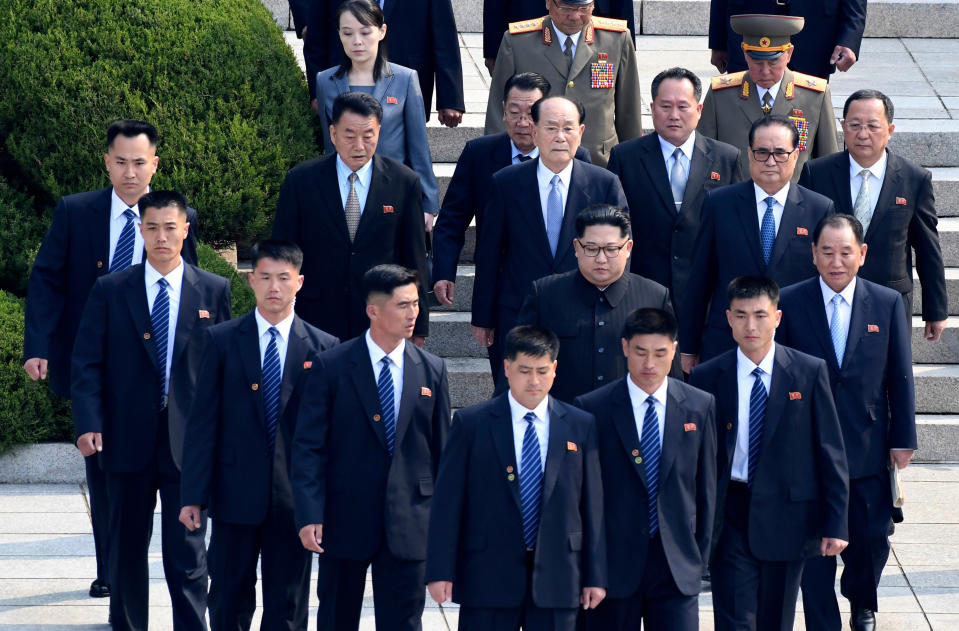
(766, 36)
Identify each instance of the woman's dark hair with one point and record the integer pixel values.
(370, 14)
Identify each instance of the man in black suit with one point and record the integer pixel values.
(757, 227)
(238, 443)
(657, 448)
(516, 531)
(681, 166)
(91, 235)
(376, 218)
(136, 358)
(529, 220)
(372, 424)
(586, 308)
(783, 491)
(859, 328)
(469, 189)
(896, 206)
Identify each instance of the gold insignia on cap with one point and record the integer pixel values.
(764, 41)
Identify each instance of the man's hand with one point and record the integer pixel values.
(483, 336)
(450, 117)
(591, 597)
(419, 340)
(689, 362)
(490, 63)
(831, 547)
(428, 220)
(843, 58)
(190, 517)
(311, 536)
(900, 458)
(934, 330)
(443, 290)
(90, 443)
(441, 591)
(315, 105)
(720, 59)
(36, 368)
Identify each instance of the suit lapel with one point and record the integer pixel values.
(625, 423)
(412, 380)
(502, 154)
(841, 186)
(750, 222)
(816, 311)
(584, 52)
(781, 106)
(328, 190)
(554, 52)
(381, 87)
(376, 199)
(530, 207)
(361, 372)
(750, 108)
(248, 343)
(136, 296)
(100, 232)
(792, 215)
(555, 449)
(728, 406)
(674, 422)
(576, 200)
(857, 321)
(297, 347)
(651, 158)
(890, 185)
(779, 384)
(501, 429)
(702, 159)
(188, 313)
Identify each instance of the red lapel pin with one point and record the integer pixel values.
(307, 365)
(204, 313)
(714, 176)
(900, 201)
(571, 446)
(391, 100)
(426, 392)
(801, 232)
(872, 328)
(689, 427)
(795, 396)
(387, 209)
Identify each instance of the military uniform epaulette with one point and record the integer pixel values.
(729, 80)
(609, 24)
(526, 26)
(809, 82)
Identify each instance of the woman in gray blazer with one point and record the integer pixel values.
(397, 88)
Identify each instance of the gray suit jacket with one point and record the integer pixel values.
(403, 131)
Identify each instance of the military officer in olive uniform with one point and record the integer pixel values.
(587, 59)
(768, 87)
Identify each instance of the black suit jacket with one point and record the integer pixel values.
(904, 220)
(476, 525)
(226, 464)
(301, 11)
(310, 213)
(801, 490)
(873, 389)
(74, 253)
(343, 475)
(729, 246)
(513, 249)
(589, 324)
(116, 376)
(687, 484)
(664, 238)
(467, 196)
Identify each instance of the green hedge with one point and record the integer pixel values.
(215, 76)
(21, 230)
(242, 295)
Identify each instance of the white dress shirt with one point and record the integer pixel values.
(687, 148)
(515, 153)
(779, 205)
(118, 221)
(541, 425)
(175, 278)
(744, 383)
(561, 38)
(396, 368)
(845, 305)
(638, 397)
(877, 174)
(362, 185)
(282, 338)
(773, 92)
(544, 177)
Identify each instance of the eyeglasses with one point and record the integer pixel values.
(516, 117)
(779, 155)
(872, 128)
(611, 251)
(573, 10)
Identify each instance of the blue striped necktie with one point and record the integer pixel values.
(767, 232)
(272, 375)
(387, 402)
(757, 419)
(554, 214)
(650, 448)
(123, 253)
(160, 321)
(837, 329)
(530, 482)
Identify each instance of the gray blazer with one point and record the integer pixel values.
(403, 131)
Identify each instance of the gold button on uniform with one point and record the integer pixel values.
(571, 84)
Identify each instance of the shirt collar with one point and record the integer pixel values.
(774, 90)
(118, 206)
(544, 175)
(779, 196)
(364, 173)
(377, 354)
(745, 366)
(561, 37)
(283, 326)
(668, 148)
(847, 292)
(514, 150)
(175, 277)
(613, 292)
(637, 395)
(878, 170)
(518, 411)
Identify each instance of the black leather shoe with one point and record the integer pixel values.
(862, 620)
(99, 589)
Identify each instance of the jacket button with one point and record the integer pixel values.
(600, 349)
(571, 84)
(599, 378)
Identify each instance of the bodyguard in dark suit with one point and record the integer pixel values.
(90, 237)
(657, 449)
(372, 423)
(666, 176)
(859, 328)
(516, 532)
(376, 218)
(238, 443)
(759, 227)
(530, 220)
(135, 366)
(586, 308)
(469, 189)
(783, 489)
(896, 206)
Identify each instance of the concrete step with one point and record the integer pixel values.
(945, 351)
(949, 239)
(470, 381)
(463, 296)
(952, 292)
(938, 436)
(937, 388)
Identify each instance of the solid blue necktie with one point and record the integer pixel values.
(530, 482)
(160, 321)
(554, 214)
(650, 448)
(837, 329)
(757, 418)
(768, 231)
(387, 402)
(123, 253)
(272, 376)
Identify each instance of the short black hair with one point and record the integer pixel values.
(865, 95)
(534, 111)
(771, 120)
(385, 278)
(650, 321)
(678, 74)
(527, 81)
(602, 215)
(839, 221)
(162, 199)
(531, 340)
(746, 287)
(357, 102)
(278, 250)
(131, 129)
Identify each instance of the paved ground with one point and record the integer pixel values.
(46, 562)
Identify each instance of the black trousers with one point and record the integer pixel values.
(863, 559)
(133, 499)
(99, 514)
(656, 605)
(399, 592)
(750, 594)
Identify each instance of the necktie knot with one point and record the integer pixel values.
(757, 372)
(353, 177)
(386, 361)
(568, 44)
(555, 181)
(865, 173)
(837, 300)
(523, 158)
(163, 283)
(677, 153)
(273, 331)
(770, 201)
(530, 418)
(129, 214)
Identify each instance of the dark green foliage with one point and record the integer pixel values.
(243, 298)
(21, 231)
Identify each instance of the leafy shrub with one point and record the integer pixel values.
(21, 230)
(242, 295)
